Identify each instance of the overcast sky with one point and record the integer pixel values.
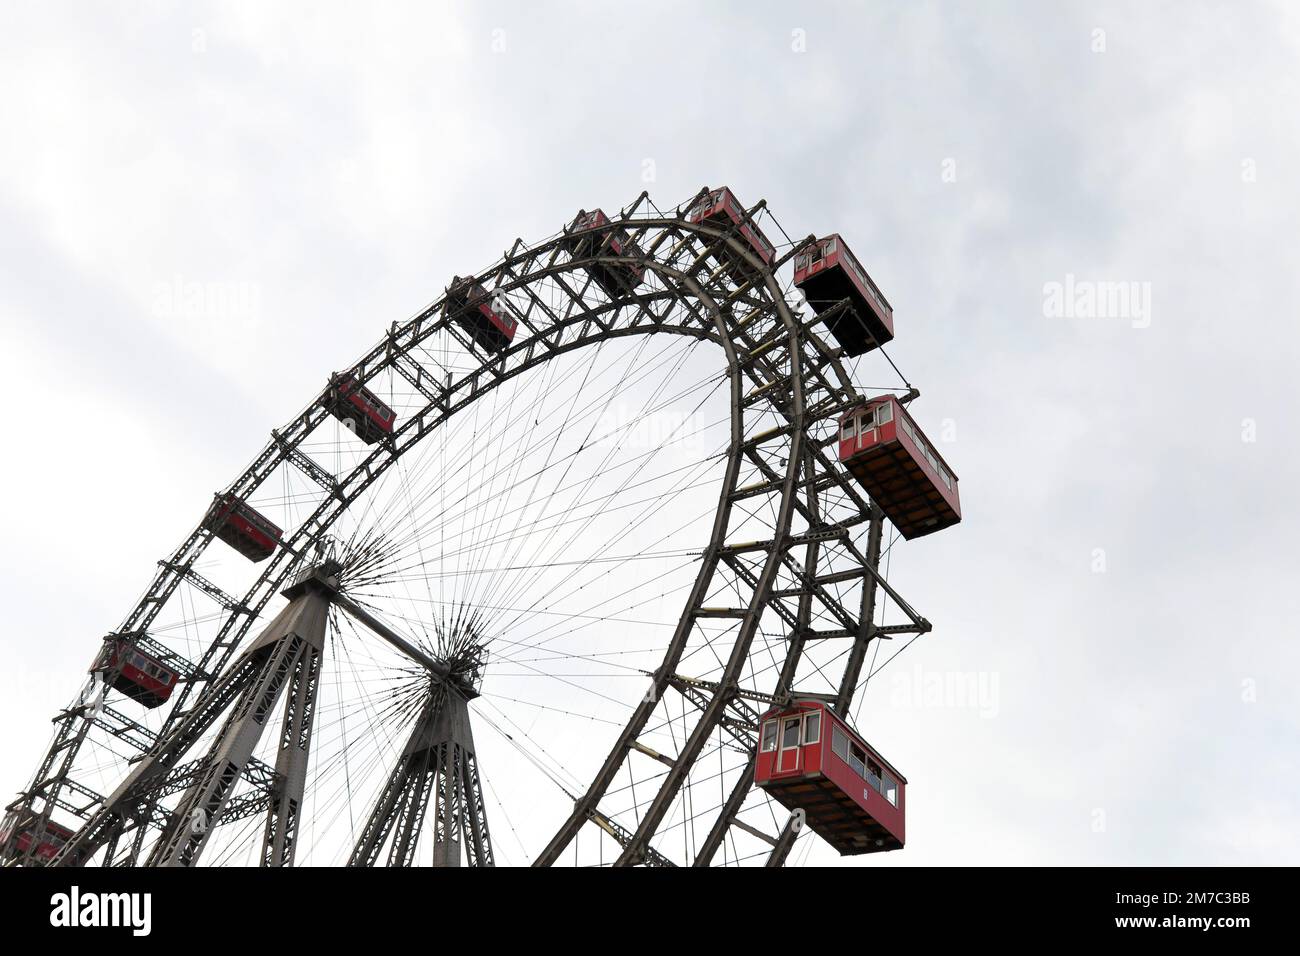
(1122, 587)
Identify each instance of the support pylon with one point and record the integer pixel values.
(438, 761)
(290, 651)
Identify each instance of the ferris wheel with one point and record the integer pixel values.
(586, 562)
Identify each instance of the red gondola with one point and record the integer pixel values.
(580, 242)
(235, 522)
(52, 841)
(488, 322)
(721, 206)
(811, 760)
(138, 675)
(829, 272)
(899, 468)
(358, 408)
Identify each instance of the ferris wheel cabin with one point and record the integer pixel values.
(488, 321)
(582, 241)
(51, 841)
(358, 408)
(899, 468)
(827, 274)
(809, 759)
(237, 523)
(720, 207)
(131, 671)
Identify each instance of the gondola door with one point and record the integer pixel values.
(788, 753)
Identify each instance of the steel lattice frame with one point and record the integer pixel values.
(787, 387)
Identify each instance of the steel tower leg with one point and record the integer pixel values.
(291, 656)
(447, 815)
(437, 763)
(478, 847)
(291, 761)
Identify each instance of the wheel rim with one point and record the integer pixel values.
(778, 482)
